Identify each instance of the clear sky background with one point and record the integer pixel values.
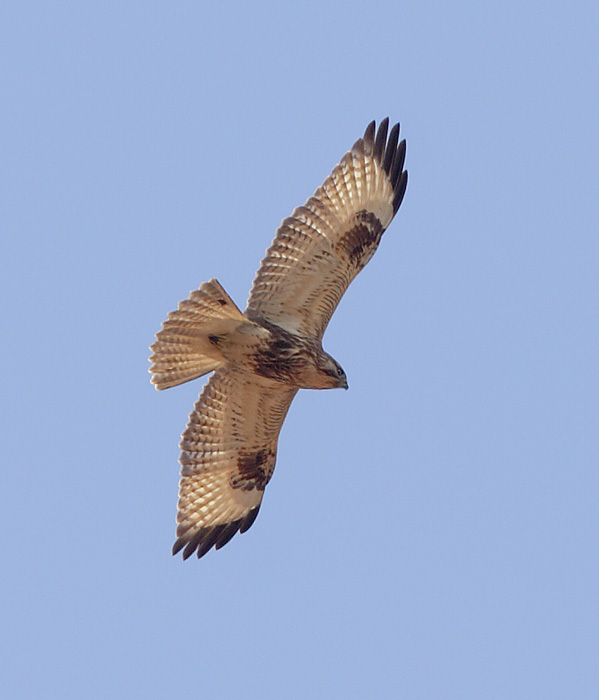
(433, 532)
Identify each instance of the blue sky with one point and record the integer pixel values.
(432, 533)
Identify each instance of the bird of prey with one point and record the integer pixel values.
(262, 356)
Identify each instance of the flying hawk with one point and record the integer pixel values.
(262, 356)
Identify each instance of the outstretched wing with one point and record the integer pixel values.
(228, 456)
(323, 245)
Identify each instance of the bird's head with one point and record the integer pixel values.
(330, 372)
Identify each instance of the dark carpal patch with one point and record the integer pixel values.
(253, 470)
(362, 239)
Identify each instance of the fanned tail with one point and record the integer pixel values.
(187, 346)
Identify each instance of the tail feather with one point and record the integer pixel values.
(186, 348)
(213, 302)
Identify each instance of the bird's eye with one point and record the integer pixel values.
(339, 372)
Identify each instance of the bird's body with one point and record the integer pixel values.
(262, 357)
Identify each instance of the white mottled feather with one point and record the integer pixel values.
(304, 275)
(236, 414)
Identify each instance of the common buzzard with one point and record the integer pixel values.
(262, 356)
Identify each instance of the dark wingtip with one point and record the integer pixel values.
(209, 539)
(178, 546)
(391, 154)
(215, 536)
(391, 149)
(400, 191)
(400, 157)
(226, 534)
(190, 545)
(369, 133)
(248, 521)
(381, 139)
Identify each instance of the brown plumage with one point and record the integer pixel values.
(261, 358)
